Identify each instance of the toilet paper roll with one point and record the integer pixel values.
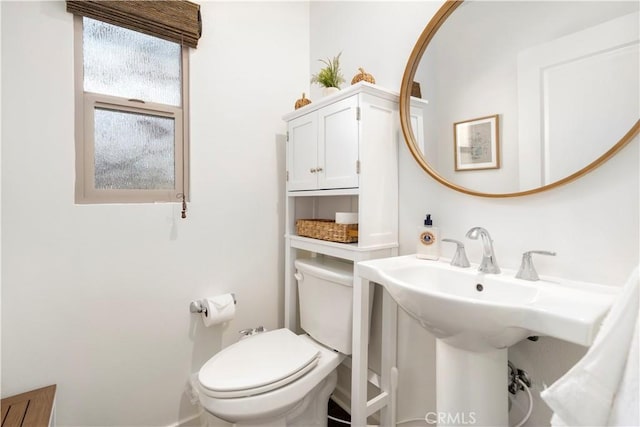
(346, 217)
(219, 309)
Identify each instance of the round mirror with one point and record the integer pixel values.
(522, 96)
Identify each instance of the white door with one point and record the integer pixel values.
(567, 89)
(302, 153)
(338, 145)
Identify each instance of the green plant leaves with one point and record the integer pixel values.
(330, 75)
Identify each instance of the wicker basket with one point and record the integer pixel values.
(326, 229)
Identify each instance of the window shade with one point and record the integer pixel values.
(174, 20)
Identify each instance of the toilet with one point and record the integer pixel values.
(278, 378)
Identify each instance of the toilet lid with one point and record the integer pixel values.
(258, 364)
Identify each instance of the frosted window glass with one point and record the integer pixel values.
(133, 151)
(129, 64)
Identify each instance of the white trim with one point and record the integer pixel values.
(78, 72)
(184, 422)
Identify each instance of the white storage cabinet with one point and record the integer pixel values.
(323, 148)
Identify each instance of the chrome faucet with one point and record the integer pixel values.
(489, 263)
(460, 258)
(527, 271)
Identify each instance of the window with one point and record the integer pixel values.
(131, 115)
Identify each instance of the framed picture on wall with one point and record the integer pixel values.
(477, 144)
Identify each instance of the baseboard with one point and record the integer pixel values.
(189, 421)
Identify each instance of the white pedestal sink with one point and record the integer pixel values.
(475, 317)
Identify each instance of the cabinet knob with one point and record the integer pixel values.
(318, 169)
(313, 170)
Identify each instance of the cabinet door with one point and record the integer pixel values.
(338, 145)
(302, 153)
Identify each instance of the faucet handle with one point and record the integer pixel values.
(527, 270)
(460, 258)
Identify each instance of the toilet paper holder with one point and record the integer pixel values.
(198, 307)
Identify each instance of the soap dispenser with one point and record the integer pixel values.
(428, 246)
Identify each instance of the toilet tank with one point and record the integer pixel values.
(325, 293)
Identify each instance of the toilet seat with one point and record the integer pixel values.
(269, 405)
(258, 364)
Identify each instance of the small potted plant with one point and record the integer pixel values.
(330, 77)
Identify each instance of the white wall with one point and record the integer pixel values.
(95, 298)
(591, 223)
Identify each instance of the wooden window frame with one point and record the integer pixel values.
(86, 102)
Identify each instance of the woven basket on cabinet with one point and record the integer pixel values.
(326, 229)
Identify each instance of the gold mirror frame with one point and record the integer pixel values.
(405, 118)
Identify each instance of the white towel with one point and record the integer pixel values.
(626, 410)
(585, 395)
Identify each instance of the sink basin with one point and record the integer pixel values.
(479, 312)
(475, 317)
